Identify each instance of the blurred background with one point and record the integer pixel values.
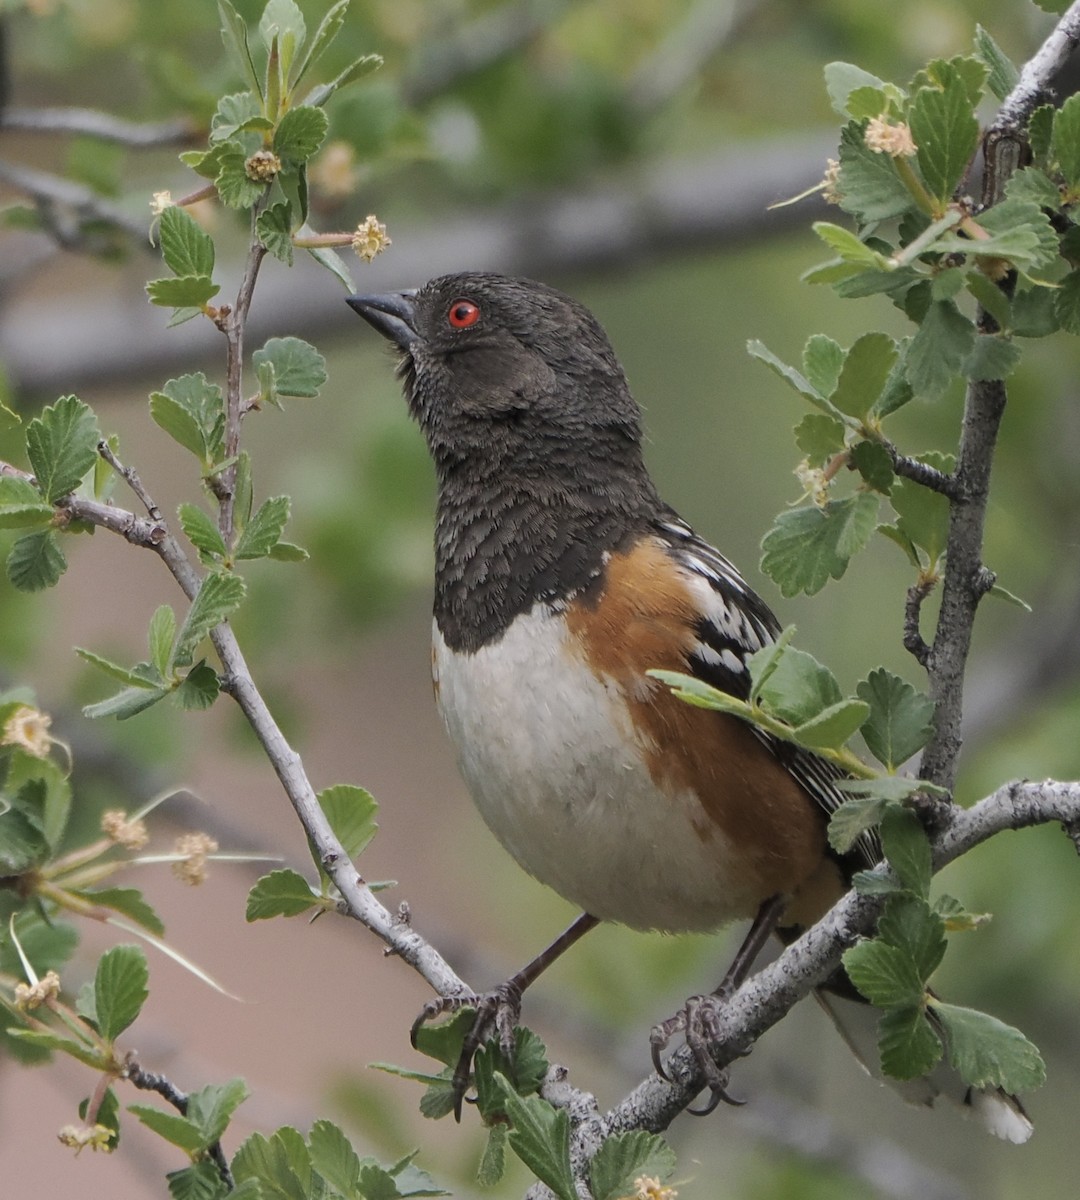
(626, 151)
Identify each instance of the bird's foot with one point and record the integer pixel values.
(700, 1021)
(497, 1014)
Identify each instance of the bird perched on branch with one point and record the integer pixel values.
(561, 578)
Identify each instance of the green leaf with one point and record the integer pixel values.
(334, 1158)
(333, 262)
(946, 133)
(131, 903)
(885, 975)
(1019, 231)
(900, 721)
(869, 883)
(234, 187)
(832, 727)
(328, 29)
(40, 789)
(35, 562)
(1001, 76)
(137, 676)
(185, 246)
(1000, 593)
(191, 411)
(854, 818)
(939, 348)
(119, 989)
(234, 35)
(798, 688)
(956, 917)
(526, 1070)
(282, 893)
(869, 185)
(908, 1044)
(53, 1041)
(865, 371)
(300, 133)
(357, 69)
(873, 463)
(993, 357)
(822, 361)
(62, 446)
(171, 1126)
(211, 1107)
(799, 382)
(540, 1137)
(1034, 313)
(991, 297)
(262, 533)
(22, 843)
(202, 532)
(443, 1041)
(808, 546)
(1065, 143)
(351, 812)
(987, 1052)
(219, 597)
(626, 1157)
(21, 504)
(201, 1181)
(493, 1160)
(281, 19)
(923, 514)
(199, 688)
(185, 291)
(850, 247)
(909, 924)
(274, 229)
(127, 703)
(299, 369)
(841, 79)
(160, 639)
(907, 849)
(1067, 302)
(237, 113)
(819, 437)
(281, 1163)
(287, 552)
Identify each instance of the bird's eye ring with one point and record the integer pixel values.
(462, 314)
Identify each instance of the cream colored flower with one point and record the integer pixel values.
(262, 166)
(195, 847)
(28, 728)
(370, 238)
(831, 183)
(30, 995)
(647, 1187)
(814, 482)
(160, 202)
(894, 140)
(78, 1137)
(132, 835)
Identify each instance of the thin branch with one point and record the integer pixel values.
(920, 472)
(91, 123)
(914, 642)
(1032, 87)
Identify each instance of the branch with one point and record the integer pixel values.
(104, 126)
(1038, 72)
(767, 996)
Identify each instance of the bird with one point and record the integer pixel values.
(561, 579)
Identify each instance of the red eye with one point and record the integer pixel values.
(462, 314)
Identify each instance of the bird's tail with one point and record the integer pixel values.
(1001, 1113)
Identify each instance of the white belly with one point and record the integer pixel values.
(542, 744)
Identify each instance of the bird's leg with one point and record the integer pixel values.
(699, 1019)
(500, 1007)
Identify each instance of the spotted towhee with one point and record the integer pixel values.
(561, 578)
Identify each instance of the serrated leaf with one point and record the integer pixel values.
(185, 291)
(909, 923)
(987, 1052)
(907, 849)
(299, 369)
(210, 1108)
(842, 78)
(994, 356)
(300, 133)
(850, 247)
(62, 444)
(218, 598)
(186, 247)
(202, 532)
(282, 893)
(869, 883)
(160, 638)
(1001, 75)
(443, 1041)
(1017, 229)
(191, 411)
(21, 504)
(262, 533)
(172, 1127)
(201, 1181)
(234, 187)
(822, 361)
(873, 463)
(852, 819)
(908, 1045)
(788, 373)
(819, 437)
(35, 562)
(199, 688)
(22, 843)
(540, 1137)
(131, 903)
(351, 812)
(234, 35)
(889, 787)
(493, 1160)
(799, 688)
(939, 348)
(885, 975)
(137, 676)
(526, 1071)
(626, 1157)
(412, 1180)
(1033, 313)
(279, 18)
(357, 69)
(870, 187)
(862, 379)
(1065, 143)
(119, 989)
(832, 727)
(274, 229)
(236, 113)
(280, 1162)
(900, 721)
(946, 135)
(333, 1157)
(808, 546)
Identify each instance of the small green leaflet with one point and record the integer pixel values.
(35, 562)
(900, 718)
(300, 133)
(219, 597)
(263, 531)
(185, 246)
(21, 504)
(808, 546)
(62, 444)
(626, 1157)
(282, 893)
(540, 1137)
(908, 1045)
(987, 1052)
(885, 975)
(119, 989)
(299, 369)
(946, 133)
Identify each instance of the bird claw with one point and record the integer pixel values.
(699, 1021)
(497, 1011)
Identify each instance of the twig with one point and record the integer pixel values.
(91, 123)
(920, 472)
(131, 478)
(914, 642)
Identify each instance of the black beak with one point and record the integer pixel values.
(393, 314)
